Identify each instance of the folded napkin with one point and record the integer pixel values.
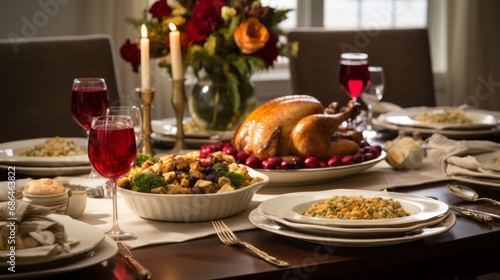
(456, 157)
(7, 188)
(36, 234)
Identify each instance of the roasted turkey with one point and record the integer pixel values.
(296, 125)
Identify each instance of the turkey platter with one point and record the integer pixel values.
(298, 125)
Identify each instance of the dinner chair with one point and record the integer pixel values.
(404, 54)
(36, 80)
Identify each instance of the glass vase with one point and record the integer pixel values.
(215, 107)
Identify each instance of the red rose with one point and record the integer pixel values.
(131, 53)
(269, 53)
(194, 33)
(206, 18)
(160, 9)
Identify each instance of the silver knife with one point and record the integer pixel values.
(476, 214)
(139, 270)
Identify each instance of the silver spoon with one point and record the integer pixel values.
(468, 194)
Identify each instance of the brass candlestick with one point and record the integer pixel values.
(146, 96)
(179, 102)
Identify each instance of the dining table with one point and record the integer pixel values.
(176, 250)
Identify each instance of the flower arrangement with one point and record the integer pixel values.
(235, 37)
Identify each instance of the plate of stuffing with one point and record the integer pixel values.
(442, 118)
(45, 152)
(264, 223)
(469, 123)
(353, 208)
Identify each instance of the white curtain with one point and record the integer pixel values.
(109, 17)
(471, 34)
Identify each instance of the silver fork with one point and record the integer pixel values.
(229, 238)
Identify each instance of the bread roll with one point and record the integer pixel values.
(44, 186)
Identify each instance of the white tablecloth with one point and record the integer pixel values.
(99, 210)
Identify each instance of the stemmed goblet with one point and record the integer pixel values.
(372, 95)
(112, 152)
(353, 73)
(134, 112)
(89, 99)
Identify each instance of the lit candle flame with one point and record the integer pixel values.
(172, 27)
(144, 31)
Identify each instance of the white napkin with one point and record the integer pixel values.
(36, 234)
(456, 157)
(9, 188)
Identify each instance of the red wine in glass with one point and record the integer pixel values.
(112, 152)
(89, 99)
(354, 76)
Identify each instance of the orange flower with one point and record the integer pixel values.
(251, 35)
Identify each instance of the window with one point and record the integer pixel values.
(353, 14)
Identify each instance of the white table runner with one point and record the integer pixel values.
(98, 210)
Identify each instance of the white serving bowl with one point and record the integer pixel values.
(192, 207)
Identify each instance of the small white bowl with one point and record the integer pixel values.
(77, 201)
(58, 203)
(192, 207)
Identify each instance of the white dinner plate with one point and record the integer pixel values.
(269, 225)
(382, 122)
(87, 235)
(406, 117)
(50, 171)
(291, 206)
(308, 176)
(490, 160)
(362, 232)
(103, 251)
(9, 154)
(168, 127)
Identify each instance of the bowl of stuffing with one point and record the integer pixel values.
(187, 188)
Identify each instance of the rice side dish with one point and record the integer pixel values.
(54, 147)
(449, 116)
(356, 208)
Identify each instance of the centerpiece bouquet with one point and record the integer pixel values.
(224, 42)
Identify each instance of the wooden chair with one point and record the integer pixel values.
(404, 54)
(37, 76)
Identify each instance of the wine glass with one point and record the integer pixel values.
(112, 152)
(353, 73)
(88, 100)
(134, 112)
(372, 95)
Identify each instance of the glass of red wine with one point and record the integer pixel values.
(353, 74)
(112, 152)
(89, 99)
